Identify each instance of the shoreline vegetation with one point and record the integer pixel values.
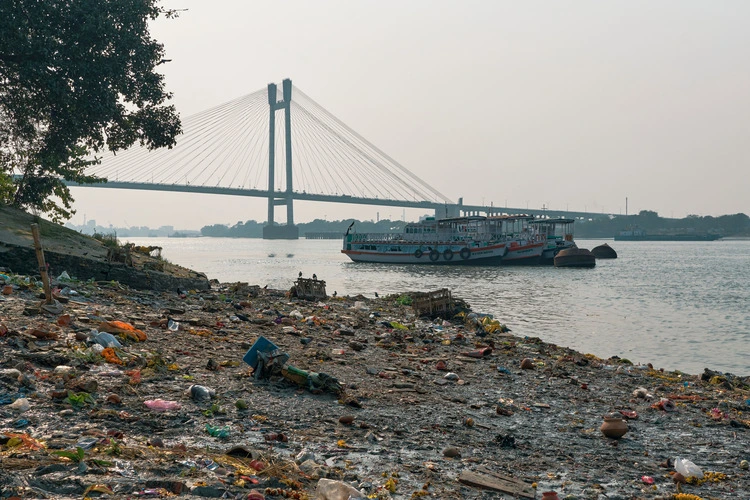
(737, 225)
(139, 392)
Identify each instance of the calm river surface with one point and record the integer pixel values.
(679, 305)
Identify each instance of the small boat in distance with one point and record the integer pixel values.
(604, 251)
(575, 257)
(641, 235)
(457, 240)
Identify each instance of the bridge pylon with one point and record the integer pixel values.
(272, 231)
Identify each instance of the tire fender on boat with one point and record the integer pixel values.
(434, 255)
(418, 253)
(448, 254)
(465, 253)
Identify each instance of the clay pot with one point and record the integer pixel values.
(614, 427)
(550, 495)
(346, 419)
(527, 364)
(7, 290)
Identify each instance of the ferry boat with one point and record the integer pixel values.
(470, 240)
(524, 247)
(557, 234)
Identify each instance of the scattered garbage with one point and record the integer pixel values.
(20, 405)
(478, 353)
(665, 404)
(329, 489)
(313, 381)
(687, 468)
(123, 329)
(201, 393)
(162, 405)
(267, 359)
(391, 370)
(104, 339)
(219, 432)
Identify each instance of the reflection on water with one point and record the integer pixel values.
(678, 305)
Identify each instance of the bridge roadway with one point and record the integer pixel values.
(280, 198)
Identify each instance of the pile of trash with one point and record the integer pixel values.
(243, 392)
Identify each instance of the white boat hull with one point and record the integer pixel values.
(491, 255)
(524, 254)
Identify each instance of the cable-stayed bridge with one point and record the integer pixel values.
(244, 147)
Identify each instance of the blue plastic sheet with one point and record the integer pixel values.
(260, 345)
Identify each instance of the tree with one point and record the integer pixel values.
(76, 77)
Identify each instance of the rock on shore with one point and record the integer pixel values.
(437, 408)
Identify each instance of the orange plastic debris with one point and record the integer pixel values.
(110, 356)
(135, 376)
(23, 441)
(122, 328)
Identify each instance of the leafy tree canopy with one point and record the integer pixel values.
(76, 77)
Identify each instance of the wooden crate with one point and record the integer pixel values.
(310, 289)
(433, 304)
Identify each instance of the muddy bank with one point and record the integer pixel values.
(438, 408)
(23, 261)
(87, 258)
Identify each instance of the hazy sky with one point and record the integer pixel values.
(569, 104)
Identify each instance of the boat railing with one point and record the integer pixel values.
(417, 238)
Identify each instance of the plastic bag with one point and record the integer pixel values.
(20, 404)
(105, 339)
(687, 468)
(161, 404)
(329, 489)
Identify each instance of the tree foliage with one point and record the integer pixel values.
(76, 77)
(649, 221)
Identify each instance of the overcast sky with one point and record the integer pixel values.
(572, 105)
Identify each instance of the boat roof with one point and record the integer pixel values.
(511, 217)
(467, 218)
(558, 220)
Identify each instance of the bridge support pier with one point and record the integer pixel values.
(272, 231)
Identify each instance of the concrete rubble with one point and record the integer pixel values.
(133, 393)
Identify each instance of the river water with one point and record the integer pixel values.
(679, 305)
